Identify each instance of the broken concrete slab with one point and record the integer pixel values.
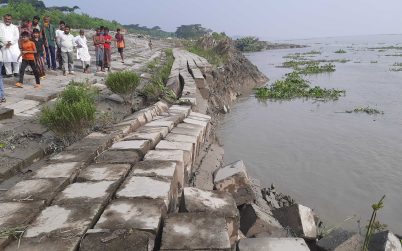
(181, 108)
(139, 214)
(42, 96)
(141, 146)
(273, 244)
(6, 113)
(254, 222)
(161, 168)
(299, 219)
(213, 202)
(58, 170)
(35, 190)
(233, 178)
(137, 187)
(22, 106)
(340, 240)
(8, 166)
(119, 157)
(86, 192)
(139, 116)
(385, 241)
(107, 240)
(195, 132)
(196, 231)
(108, 172)
(18, 214)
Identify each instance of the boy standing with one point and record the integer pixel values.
(66, 42)
(40, 55)
(99, 42)
(28, 58)
(107, 49)
(120, 44)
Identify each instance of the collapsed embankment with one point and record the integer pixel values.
(263, 211)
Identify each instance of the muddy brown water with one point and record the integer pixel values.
(337, 163)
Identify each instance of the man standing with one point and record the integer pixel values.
(36, 25)
(99, 42)
(49, 33)
(10, 49)
(2, 94)
(60, 32)
(82, 51)
(66, 42)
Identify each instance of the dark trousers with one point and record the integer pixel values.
(51, 57)
(24, 65)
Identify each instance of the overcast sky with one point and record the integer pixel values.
(273, 19)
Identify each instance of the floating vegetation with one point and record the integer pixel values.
(396, 69)
(302, 56)
(382, 50)
(373, 62)
(393, 55)
(397, 64)
(316, 68)
(340, 51)
(294, 86)
(368, 110)
(386, 48)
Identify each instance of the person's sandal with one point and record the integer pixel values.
(36, 86)
(19, 85)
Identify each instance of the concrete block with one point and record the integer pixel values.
(273, 244)
(139, 116)
(45, 243)
(161, 168)
(35, 190)
(189, 100)
(153, 137)
(195, 231)
(86, 192)
(385, 241)
(180, 108)
(161, 123)
(193, 126)
(22, 106)
(9, 166)
(96, 142)
(213, 202)
(299, 219)
(200, 116)
(162, 130)
(42, 96)
(196, 122)
(141, 146)
(62, 221)
(184, 146)
(162, 106)
(233, 178)
(17, 214)
(119, 157)
(108, 172)
(185, 138)
(6, 113)
(340, 240)
(85, 156)
(107, 240)
(254, 222)
(139, 214)
(195, 132)
(58, 170)
(137, 187)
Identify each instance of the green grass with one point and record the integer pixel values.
(123, 83)
(316, 69)
(209, 54)
(294, 86)
(73, 113)
(156, 88)
(340, 51)
(386, 48)
(397, 64)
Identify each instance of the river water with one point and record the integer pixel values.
(334, 162)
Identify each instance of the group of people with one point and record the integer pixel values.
(37, 45)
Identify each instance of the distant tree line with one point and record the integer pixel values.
(250, 44)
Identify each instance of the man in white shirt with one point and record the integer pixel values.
(59, 32)
(2, 94)
(10, 49)
(66, 42)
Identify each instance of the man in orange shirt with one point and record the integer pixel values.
(28, 58)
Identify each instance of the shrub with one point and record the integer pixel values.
(340, 51)
(123, 83)
(72, 114)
